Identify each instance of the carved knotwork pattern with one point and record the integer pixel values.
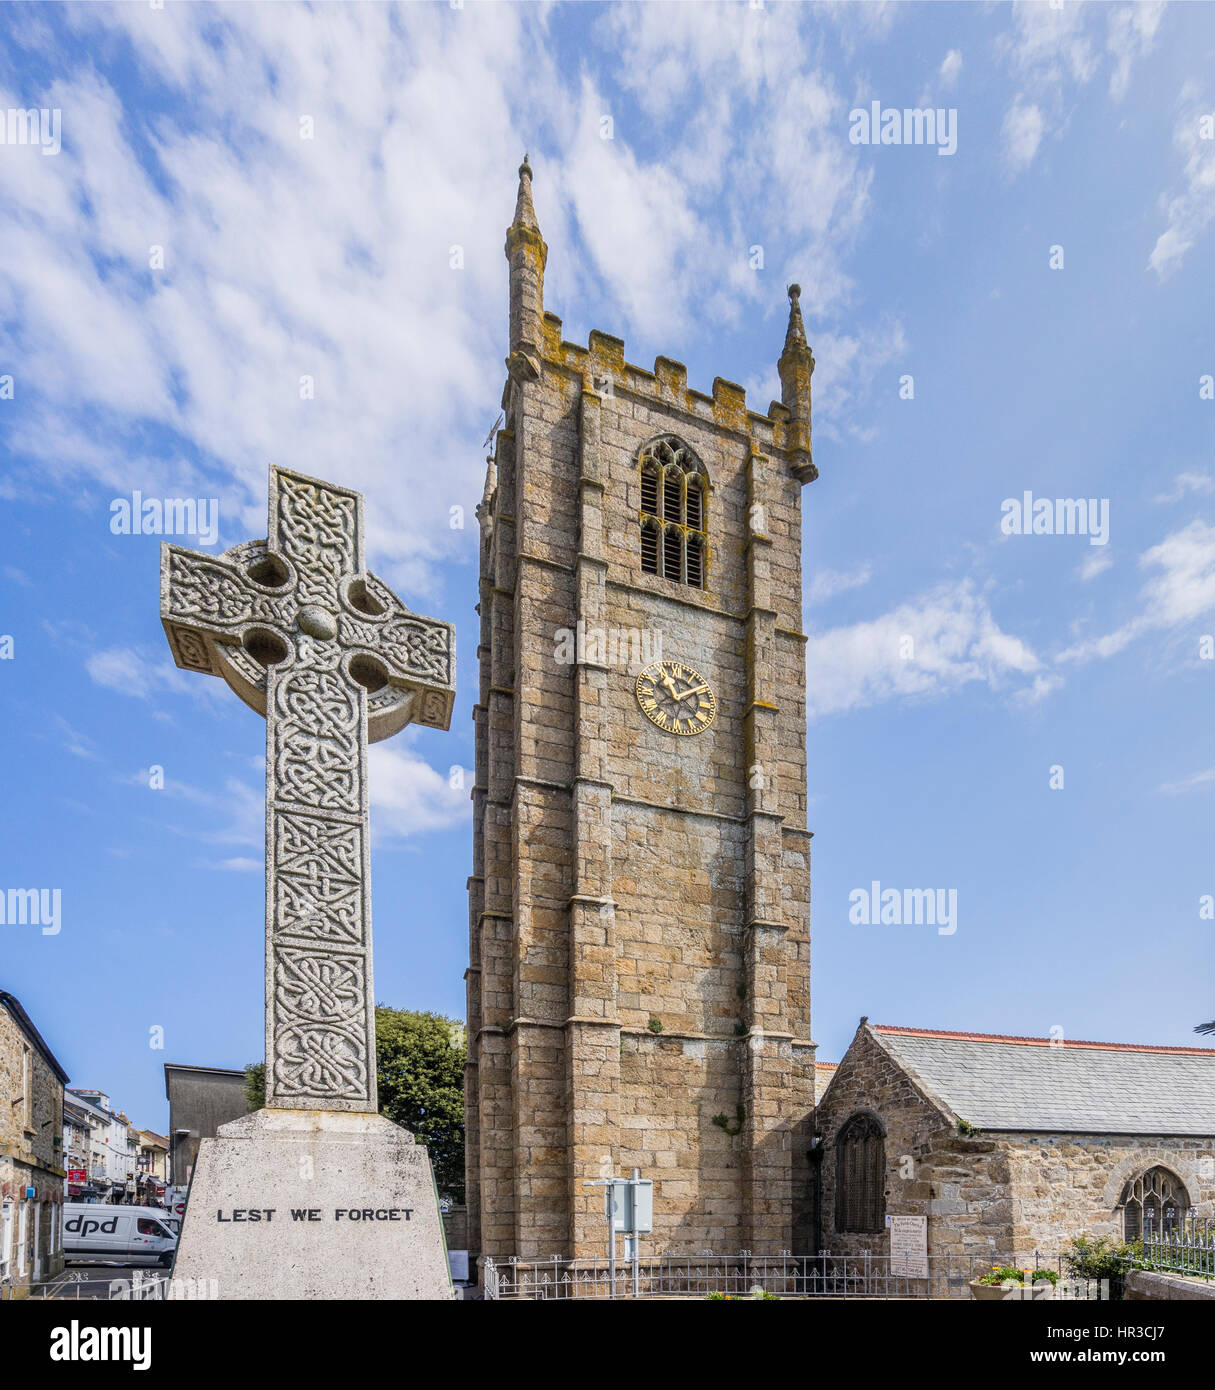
(318, 878)
(191, 649)
(418, 648)
(320, 1037)
(213, 594)
(318, 533)
(434, 709)
(318, 754)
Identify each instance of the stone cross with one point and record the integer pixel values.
(332, 658)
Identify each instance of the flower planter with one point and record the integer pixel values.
(984, 1293)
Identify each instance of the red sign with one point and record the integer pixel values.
(76, 1175)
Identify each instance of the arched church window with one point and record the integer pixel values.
(672, 522)
(860, 1175)
(1156, 1198)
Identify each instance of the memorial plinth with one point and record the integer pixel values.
(313, 1204)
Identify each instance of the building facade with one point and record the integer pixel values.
(200, 1100)
(152, 1166)
(639, 974)
(81, 1174)
(114, 1151)
(31, 1153)
(1011, 1146)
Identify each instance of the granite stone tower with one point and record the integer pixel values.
(639, 948)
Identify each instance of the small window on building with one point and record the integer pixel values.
(672, 522)
(860, 1176)
(1155, 1200)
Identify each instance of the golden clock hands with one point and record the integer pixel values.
(670, 685)
(695, 690)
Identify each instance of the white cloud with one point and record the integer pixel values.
(1190, 209)
(847, 369)
(951, 66)
(1199, 779)
(1049, 46)
(80, 745)
(329, 257)
(138, 672)
(952, 638)
(1022, 134)
(1132, 29)
(284, 257)
(1180, 589)
(1184, 484)
(1094, 563)
(826, 584)
(409, 797)
(943, 80)
(1055, 50)
(749, 121)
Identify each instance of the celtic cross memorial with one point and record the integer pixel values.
(306, 636)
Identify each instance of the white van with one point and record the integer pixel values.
(127, 1235)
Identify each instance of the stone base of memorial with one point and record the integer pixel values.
(314, 1204)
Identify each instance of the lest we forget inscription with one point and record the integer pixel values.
(306, 636)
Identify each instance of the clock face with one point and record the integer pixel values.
(676, 698)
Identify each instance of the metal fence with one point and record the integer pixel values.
(739, 1276)
(1185, 1246)
(94, 1282)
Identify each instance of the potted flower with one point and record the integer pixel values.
(1007, 1281)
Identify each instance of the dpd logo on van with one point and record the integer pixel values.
(84, 1226)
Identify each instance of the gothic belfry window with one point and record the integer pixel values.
(673, 523)
(1156, 1199)
(860, 1176)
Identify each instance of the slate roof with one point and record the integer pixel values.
(1036, 1084)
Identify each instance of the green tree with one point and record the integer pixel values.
(420, 1064)
(420, 1069)
(255, 1085)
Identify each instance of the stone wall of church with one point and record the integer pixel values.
(994, 1195)
(1065, 1185)
(960, 1183)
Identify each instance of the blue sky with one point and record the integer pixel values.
(331, 257)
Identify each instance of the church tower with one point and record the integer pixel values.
(639, 945)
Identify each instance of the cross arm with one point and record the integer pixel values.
(208, 601)
(416, 655)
